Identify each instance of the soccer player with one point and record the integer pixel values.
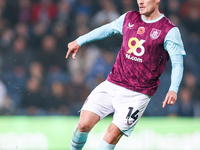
(149, 40)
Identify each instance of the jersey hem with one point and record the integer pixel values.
(149, 93)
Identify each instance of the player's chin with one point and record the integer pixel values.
(142, 12)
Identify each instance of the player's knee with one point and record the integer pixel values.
(113, 137)
(84, 126)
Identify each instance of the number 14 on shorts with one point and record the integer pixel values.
(133, 115)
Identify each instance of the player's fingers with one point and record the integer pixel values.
(171, 101)
(165, 101)
(67, 55)
(168, 101)
(70, 50)
(164, 104)
(74, 55)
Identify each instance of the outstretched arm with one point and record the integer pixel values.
(96, 34)
(103, 31)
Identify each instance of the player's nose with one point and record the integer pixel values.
(140, 2)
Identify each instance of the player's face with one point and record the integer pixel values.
(147, 7)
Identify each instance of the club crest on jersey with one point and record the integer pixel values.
(155, 33)
(130, 25)
(141, 30)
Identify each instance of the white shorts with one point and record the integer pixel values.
(127, 105)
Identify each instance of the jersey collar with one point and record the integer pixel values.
(152, 21)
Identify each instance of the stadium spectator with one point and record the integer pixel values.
(78, 91)
(50, 56)
(24, 11)
(18, 55)
(22, 30)
(36, 70)
(187, 7)
(38, 31)
(192, 21)
(65, 17)
(84, 7)
(15, 83)
(10, 12)
(107, 13)
(61, 33)
(100, 68)
(57, 102)
(64, 11)
(33, 99)
(43, 11)
(15, 65)
(191, 82)
(192, 61)
(185, 104)
(6, 40)
(87, 58)
(173, 8)
(81, 24)
(127, 5)
(2, 8)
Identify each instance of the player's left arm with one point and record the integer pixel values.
(174, 45)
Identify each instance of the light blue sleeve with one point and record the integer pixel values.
(173, 43)
(103, 31)
(174, 46)
(177, 72)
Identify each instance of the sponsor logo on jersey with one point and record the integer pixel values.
(155, 33)
(137, 48)
(130, 25)
(141, 30)
(128, 56)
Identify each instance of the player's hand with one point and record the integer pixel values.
(73, 48)
(170, 98)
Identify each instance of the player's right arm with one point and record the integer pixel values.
(103, 31)
(96, 34)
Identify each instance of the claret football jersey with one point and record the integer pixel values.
(142, 57)
(144, 52)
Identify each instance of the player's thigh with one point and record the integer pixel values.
(99, 101)
(129, 107)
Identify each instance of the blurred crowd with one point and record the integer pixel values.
(35, 77)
